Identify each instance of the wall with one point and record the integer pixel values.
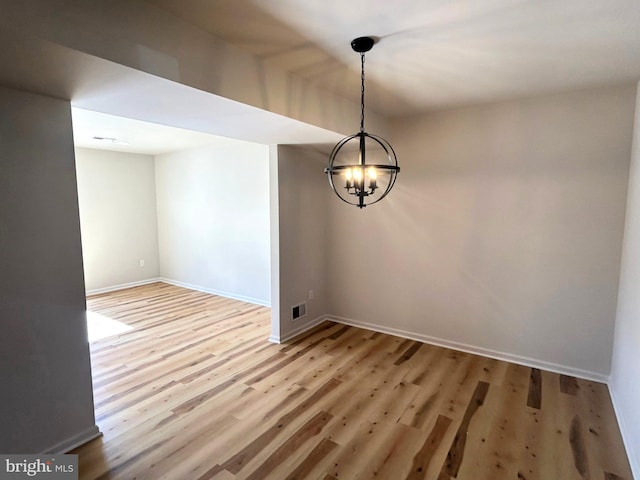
(46, 402)
(274, 238)
(503, 234)
(213, 219)
(116, 193)
(303, 194)
(625, 369)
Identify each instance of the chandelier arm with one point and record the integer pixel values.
(339, 145)
(383, 144)
(330, 175)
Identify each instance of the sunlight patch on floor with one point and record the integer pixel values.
(100, 326)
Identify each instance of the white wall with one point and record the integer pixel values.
(46, 401)
(503, 234)
(625, 369)
(274, 239)
(303, 193)
(213, 219)
(116, 193)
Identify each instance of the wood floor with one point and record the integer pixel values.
(195, 391)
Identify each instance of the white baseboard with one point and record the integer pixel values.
(507, 357)
(299, 329)
(122, 286)
(221, 293)
(634, 461)
(75, 441)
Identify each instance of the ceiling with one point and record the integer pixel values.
(430, 55)
(134, 136)
(433, 54)
(97, 85)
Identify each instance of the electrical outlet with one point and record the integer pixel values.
(142, 263)
(311, 295)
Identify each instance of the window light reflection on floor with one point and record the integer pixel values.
(99, 326)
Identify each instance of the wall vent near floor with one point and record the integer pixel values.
(298, 311)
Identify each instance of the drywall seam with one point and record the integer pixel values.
(484, 352)
(234, 296)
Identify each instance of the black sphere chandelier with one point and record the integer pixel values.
(366, 164)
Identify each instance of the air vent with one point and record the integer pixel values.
(298, 311)
(112, 140)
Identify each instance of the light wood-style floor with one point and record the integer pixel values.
(195, 391)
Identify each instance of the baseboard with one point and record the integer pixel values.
(122, 286)
(221, 293)
(75, 441)
(299, 330)
(634, 461)
(507, 357)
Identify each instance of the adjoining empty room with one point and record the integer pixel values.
(162, 204)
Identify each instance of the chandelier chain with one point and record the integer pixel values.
(362, 93)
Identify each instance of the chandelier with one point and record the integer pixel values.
(362, 167)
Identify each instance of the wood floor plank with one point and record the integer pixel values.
(392, 459)
(196, 391)
(568, 385)
(534, 400)
(442, 393)
(311, 461)
(578, 448)
(595, 410)
(305, 433)
(354, 457)
(457, 450)
(496, 442)
(422, 459)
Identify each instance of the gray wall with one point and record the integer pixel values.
(117, 197)
(46, 402)
(503, 234)
(213, 219)
(303, 194)
(625, 369)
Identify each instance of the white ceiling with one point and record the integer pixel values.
(431, 54)
(134, 136)
(98, 85)
(434, 54)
